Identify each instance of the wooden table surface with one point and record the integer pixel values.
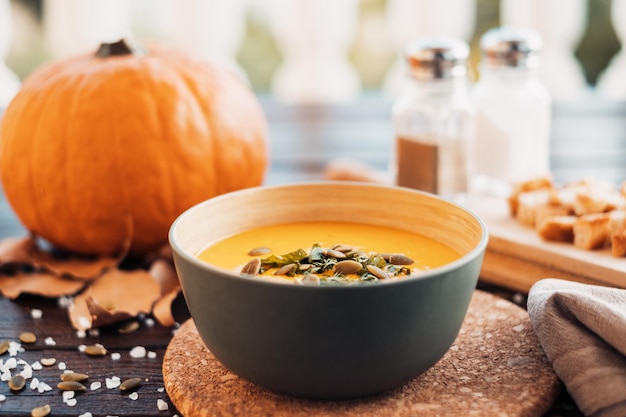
(588, 139)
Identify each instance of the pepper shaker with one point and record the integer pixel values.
(432, 118)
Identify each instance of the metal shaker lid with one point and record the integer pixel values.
(511, 47)
(436, 58)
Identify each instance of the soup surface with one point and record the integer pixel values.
(311, 248)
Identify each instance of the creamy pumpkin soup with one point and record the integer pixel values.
(327, 252)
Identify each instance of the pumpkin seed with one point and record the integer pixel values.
(310, 279)
(130, 384)
(285, 269)
(48, 361)
(74, 376)
(252, 268)
(262, 250)
(400, 259)
(17, 383)
(347, 267)
(95, 350)
(334, 253)
(71, 386)
(128, 327)
(28, 337)
(4, 347)
(42, 411)
(377, 272)
(343, 248)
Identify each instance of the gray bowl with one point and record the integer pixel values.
(328, 342)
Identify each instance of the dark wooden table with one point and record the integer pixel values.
(588, 139)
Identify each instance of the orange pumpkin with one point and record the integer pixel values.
(99, 149)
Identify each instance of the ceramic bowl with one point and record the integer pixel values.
(328, 342)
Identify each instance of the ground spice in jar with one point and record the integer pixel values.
(435, 168)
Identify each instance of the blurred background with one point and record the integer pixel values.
(321, 51)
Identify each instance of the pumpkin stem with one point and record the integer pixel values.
(118, 48)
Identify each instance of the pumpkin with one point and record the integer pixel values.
(99, 150)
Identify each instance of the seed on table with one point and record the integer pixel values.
(74, 376)
(95, 350)
(17, 383)
(130, 384)
(128, 327)
(259, 251)
(48, 361)
(28, 337)
(252, 268)
(42, 411)
(71, 386)
(4, 347)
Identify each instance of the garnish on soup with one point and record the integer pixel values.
(381, 254)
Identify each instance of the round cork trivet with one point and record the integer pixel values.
(496, 367)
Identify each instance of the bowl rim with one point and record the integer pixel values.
(432, 273)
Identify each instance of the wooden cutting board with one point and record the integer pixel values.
(517, 257)
(496, 367)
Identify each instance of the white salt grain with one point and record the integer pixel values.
(138, 352)
(6, 375)
(113, 382)
(34, 383)
(81, 334)
(37, 366)
(68, 395)
(94, 332)
(162, 405)
(161, 389)
(27, 372)
(87, 414)
(95, 385)
(152, 355)
(15, 348)
(43, 387)
(2, 398)
(65, 301)
(11, 363)
(62, 366)
(71, 402)
(116, 356)
(36, 313)
(82, 348)
(133, 396)
(149, 322)
(50, 341)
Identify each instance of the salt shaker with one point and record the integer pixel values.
(432, 118)
(513, 113)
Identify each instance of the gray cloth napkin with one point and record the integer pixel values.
(582, 329)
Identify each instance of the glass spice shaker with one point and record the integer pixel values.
(513, 113)
(432, 118)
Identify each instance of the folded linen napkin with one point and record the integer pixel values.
(582, 329)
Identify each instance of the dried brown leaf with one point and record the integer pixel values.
(117, 295)
(86, 269)
(162, 310)
(164, 273)
(38, 283)
(17, 250)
